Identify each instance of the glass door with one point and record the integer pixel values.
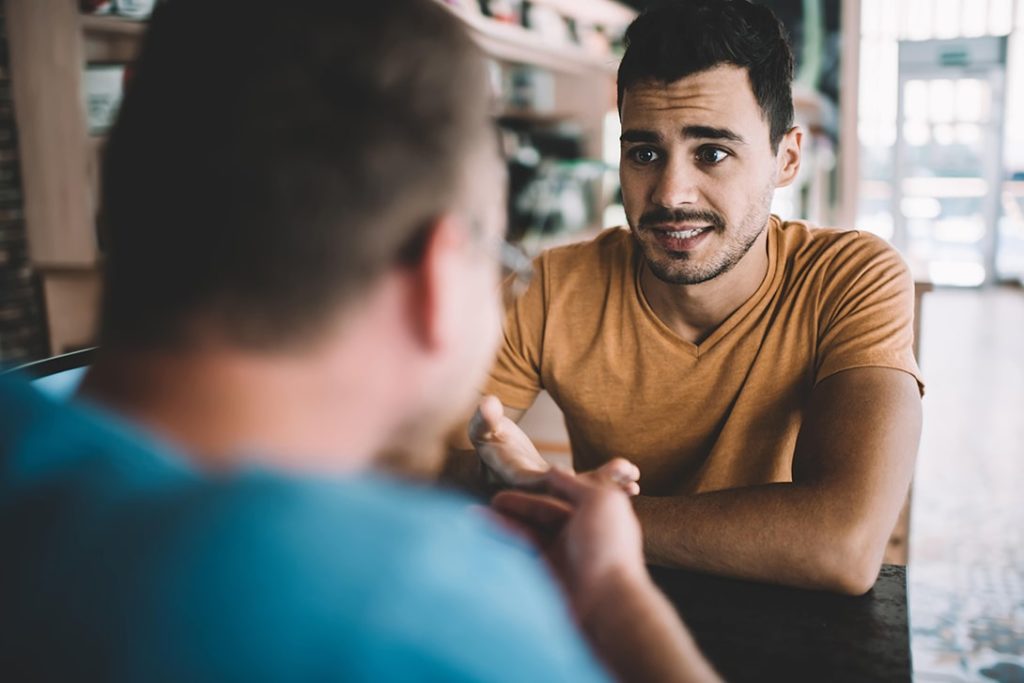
(949, 174)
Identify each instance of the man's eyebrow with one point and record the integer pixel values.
(689, 132)
(639, 136)
(712, 133)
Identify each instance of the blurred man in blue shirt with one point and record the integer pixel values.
(302, 218)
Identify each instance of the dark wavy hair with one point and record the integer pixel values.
(676, 39)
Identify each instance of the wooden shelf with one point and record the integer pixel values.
(514, 43)
(102, 24)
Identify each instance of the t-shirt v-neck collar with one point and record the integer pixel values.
(729, 324)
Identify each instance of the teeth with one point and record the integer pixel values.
(686, 234)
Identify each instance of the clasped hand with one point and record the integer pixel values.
(513, 459)
(583, 523)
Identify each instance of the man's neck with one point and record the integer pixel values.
(224, 408)
(694, 312)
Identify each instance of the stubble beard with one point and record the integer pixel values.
(679, 268)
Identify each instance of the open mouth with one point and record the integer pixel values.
(681, 240)
(686, 234)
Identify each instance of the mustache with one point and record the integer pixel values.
(662, 215)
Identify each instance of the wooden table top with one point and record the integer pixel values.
(758, 632)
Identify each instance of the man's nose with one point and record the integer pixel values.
(677, 185)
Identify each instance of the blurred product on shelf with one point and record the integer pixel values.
(553, 65)
(594, 39)
(135, 9)
(552, 187)
(549, 24)
(527, 88)
(130, 9)
(508, 11)
(104, 87)
(559, 198)
(472, 6)
(594, 27)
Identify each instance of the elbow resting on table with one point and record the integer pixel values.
(849, 565)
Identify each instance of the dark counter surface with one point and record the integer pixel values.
(757, 632)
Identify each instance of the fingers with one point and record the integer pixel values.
(605, 479)
(631, 489)
(486, 422)
(492, 412)
(622, 473)
(620, 470)
(567, 485)
(532, 509)
(618, 473)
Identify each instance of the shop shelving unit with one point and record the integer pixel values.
(50, 43)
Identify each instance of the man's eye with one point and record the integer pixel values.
(711, 155)
(644, 155)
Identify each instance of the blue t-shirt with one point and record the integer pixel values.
(119, 561)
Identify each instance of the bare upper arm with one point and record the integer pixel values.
(859, 442)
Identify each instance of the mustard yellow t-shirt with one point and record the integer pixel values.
(721, 414)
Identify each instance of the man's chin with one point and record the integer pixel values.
(675, 276)
(675, 269)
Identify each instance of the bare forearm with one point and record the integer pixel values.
(640, 637)
(779, 533)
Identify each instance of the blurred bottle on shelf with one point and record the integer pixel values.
(104, 88)
(528, 89)
(553, 188)
(129, 9)
(507, 11)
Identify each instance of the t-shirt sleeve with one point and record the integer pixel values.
(867, 315)
(516, 375)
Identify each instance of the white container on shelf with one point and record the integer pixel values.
(135, 9)
(104, 86)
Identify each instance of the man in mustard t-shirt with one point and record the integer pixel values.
(758, 372)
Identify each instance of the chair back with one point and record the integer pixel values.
(58, 376)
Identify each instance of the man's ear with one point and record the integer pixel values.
(788, 157)
(433, 295)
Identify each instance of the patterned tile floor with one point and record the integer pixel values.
(966, 569)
